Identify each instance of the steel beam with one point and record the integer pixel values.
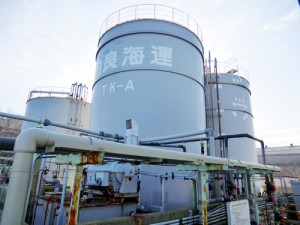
(78, 160)
(74, 208)
(203, 194)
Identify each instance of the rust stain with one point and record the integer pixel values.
(91, 158)
(138, 220)
(204, 212)
(75, 200)
(204, 188)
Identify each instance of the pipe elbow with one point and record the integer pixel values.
(209, 132)
(29, 140)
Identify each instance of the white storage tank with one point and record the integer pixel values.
(60, 105)
(235, 114)
(151, 70)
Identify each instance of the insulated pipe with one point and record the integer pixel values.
(7, 143)
(26, 144)
(32, 139)
(66, 143)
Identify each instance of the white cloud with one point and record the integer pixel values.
(283, 22)
(274, 26)
(292, 16)
(219, 2)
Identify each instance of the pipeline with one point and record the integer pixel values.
(226, 137)
(7, 143)
(47, 122)
(165, 145)
(32, 139)
(207, 131)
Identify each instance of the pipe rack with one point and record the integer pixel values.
(33, 140)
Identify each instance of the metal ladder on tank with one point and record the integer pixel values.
(77, 103)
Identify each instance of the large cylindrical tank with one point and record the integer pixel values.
(235, 114)
(150, 71)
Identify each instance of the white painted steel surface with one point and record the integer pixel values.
(236, 115)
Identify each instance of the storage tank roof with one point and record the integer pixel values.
(60, 92)
(154, 12)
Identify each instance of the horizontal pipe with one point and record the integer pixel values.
(7, 143)
(66, 143)
(18, 117)
(47, 122)
(164, 175)
(176, 136)
(216, 200)
(155, 144)
(6, 158)
(187, 140)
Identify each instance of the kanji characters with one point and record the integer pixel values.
(162, 55)
(134, 55)
(110, 61)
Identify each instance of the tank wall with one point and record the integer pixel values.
(147, 73)
(152, 72)
(236, 115)
(150, 51)
(153, 105)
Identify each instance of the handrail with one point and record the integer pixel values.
(151, 11)
(232, 67)
(59, 92)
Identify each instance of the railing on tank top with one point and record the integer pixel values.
(230, 67)
(77, 91)
(151, 11)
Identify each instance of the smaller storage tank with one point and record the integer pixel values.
(236, 114)
(60, 105)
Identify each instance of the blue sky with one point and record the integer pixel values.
(54, 42)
